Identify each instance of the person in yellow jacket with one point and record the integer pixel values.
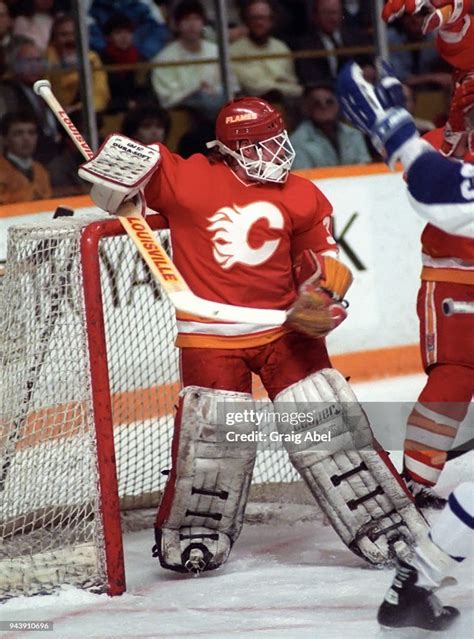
(21, 178)
(63, 61)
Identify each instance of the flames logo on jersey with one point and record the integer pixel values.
(231, 227)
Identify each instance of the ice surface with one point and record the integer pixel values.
(283, 581)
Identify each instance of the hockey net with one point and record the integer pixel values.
(89, 380)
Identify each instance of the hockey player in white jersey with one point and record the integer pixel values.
(410, 600)
(447, 201)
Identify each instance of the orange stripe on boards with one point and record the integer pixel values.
(383, 362)
(65, 420)
(352, 170)
(54, 422)
(44, 206)
(145, 403)
(363, 366)
(78, 201)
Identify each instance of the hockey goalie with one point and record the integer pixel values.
(246, 232)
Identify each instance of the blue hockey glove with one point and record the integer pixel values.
(389, 129)
(389, 89)
(390, 134)
(359, 102)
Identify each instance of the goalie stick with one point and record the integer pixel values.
(160, 264)
(462, 449)
(45, 248)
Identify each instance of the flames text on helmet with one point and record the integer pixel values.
(252, 131)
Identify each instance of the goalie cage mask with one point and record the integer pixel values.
(252, 132)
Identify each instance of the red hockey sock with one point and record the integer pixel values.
(434, 421)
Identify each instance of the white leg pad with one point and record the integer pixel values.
(354, 486)
(210, 483)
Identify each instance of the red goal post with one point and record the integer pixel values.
(89, 379)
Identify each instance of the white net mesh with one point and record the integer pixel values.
(48, 475)
(50, 515)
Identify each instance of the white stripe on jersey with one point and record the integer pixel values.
(456, 219)
(447, 262)
(453, 37)
(214, 328)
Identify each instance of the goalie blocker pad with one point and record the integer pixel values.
(202, 508)
(120, 169)
(350, 477)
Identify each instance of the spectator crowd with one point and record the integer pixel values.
(156, 76)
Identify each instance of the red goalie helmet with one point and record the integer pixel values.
(253, 132)
(249, 119)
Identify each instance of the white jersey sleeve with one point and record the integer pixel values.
(442, 191)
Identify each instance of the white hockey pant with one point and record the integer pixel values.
(354, 484)
(202, 509)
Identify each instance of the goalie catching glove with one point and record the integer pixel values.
(119, 172)
(320, 306)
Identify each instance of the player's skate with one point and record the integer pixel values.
(407, 604)
(424, 496)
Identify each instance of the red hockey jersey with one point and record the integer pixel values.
(446, 257)
(456, 43)
(236, 242)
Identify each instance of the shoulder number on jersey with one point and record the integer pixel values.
(467, 185)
